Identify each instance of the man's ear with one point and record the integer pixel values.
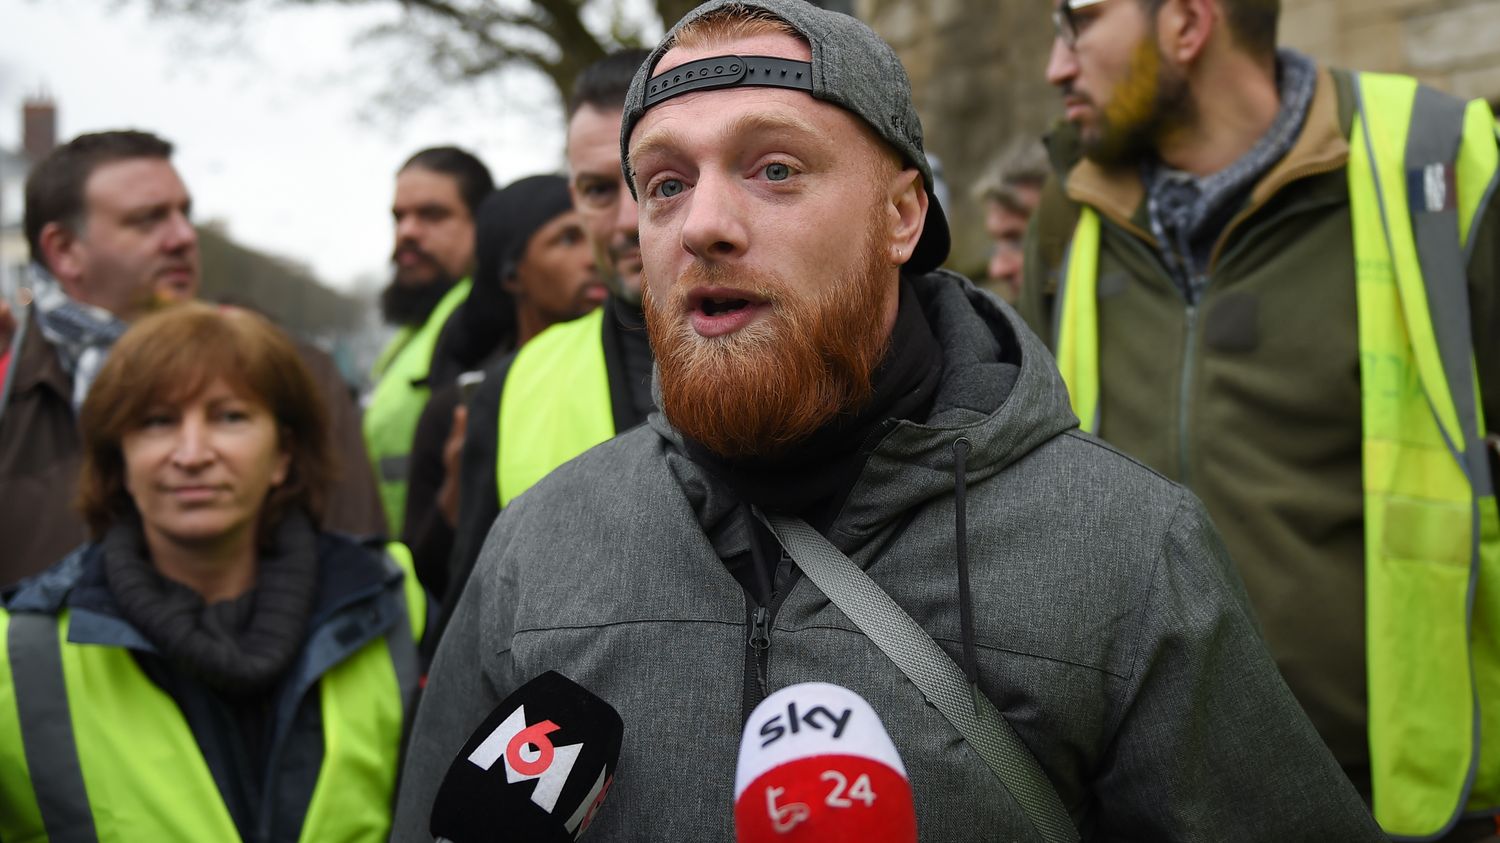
(1184, 27)
(61, 255)
(906, 213)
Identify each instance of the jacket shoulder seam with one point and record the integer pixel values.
(1079, 435)
(1138, 645)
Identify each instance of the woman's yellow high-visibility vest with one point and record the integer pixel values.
(555, 404)
(1432, 536)
(123, 765)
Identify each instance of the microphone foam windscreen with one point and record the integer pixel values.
(816, 764)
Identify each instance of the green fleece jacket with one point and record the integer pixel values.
(1252, 397)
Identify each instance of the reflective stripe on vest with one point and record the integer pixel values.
(1432, 537)
(555, 404)
(1077, 327)
(1430, 527)
(92, 750)
(390, 421)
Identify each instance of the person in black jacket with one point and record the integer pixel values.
(609, 212)
(533, 268)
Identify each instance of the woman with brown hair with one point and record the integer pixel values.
(211, 666)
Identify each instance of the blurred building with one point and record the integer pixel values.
(284, 290)
(977, 69)
(38, 136)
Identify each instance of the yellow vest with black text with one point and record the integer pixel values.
(122, 764)
(1432, 536)
(555, 404)
(390, 420)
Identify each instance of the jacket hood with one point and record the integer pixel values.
(999, 389)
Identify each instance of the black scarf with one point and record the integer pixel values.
(238, 647)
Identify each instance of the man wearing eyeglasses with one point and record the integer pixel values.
(1276, 283)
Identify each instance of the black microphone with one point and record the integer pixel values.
(536, 769)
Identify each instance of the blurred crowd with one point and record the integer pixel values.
(226, 577)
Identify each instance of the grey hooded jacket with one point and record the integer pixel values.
(1112, 631)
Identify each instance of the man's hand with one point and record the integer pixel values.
(453, 448)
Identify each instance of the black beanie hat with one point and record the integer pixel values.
(503, 226)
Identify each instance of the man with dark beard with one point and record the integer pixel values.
(438, 191)
(1279, 284)
(822, 383)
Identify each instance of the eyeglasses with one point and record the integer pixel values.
(1065, 24)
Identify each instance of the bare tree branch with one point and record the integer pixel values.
(464, 40)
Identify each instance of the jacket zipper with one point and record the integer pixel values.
(758, 620)
(1184, 397)
(757, 656)
(1190, 351)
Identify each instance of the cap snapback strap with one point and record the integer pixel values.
(729, 72)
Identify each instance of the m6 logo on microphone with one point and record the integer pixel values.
(529, 754)
(536, 769)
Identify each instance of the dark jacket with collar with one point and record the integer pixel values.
(1112, 631)
(359, 599)
(39, 460)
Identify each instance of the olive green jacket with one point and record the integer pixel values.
(1252, 396)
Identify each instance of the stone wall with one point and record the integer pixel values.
(977, 69)
(1450, 44)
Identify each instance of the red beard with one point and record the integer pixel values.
(755, 392)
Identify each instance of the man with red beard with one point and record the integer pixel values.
(822, 383)
(1279, 284)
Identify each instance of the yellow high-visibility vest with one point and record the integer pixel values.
(555, 404)
(1432, 535)
(122, 765)
(390, 420)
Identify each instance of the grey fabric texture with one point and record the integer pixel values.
(1434, 221)
(1112, 631)
(932, 671)
(851, 68)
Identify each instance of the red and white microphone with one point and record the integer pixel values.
(817, 765)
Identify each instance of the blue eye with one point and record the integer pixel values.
(670, 188)
(778, 172)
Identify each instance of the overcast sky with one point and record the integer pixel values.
(276, 120)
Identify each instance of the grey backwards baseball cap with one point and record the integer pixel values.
(851, 68)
